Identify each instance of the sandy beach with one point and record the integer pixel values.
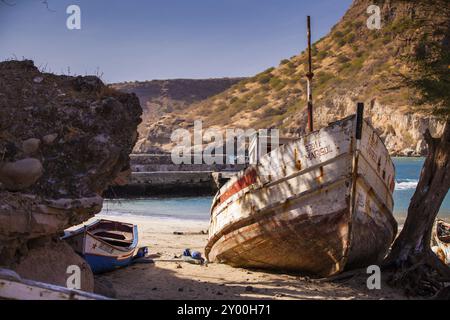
(169, 278)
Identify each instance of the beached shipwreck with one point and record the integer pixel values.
(319, 204)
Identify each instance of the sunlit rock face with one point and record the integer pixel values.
(63, 140)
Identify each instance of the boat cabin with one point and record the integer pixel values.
(261, 144)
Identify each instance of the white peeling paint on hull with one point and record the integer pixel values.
(308, 205)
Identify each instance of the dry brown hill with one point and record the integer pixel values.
(161, 97)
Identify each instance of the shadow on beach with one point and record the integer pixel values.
(167, 280)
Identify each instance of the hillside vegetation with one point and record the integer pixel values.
(162, 97)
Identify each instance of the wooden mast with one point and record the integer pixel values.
(310, 76)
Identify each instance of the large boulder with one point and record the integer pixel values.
(63, 141)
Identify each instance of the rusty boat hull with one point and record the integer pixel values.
(319, 205)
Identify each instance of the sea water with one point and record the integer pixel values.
(407, 177)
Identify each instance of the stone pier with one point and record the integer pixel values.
(156, 175)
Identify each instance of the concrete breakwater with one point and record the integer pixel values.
(157, 175)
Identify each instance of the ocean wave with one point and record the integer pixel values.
(406, 184)
(138, 214)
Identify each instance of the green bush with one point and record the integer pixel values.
(354, 47)
(323, 77)
(233, 99)
(350, 38)
(270, 112)
(288, 72)
(297, 91)
(347, 24)
(237, 106)
(322, 55)
(281, 95)
(257, 102)
(291, 65)
(359, 53)
(264, 88)
(220, 106)
(343, 59)
(264, 78)
(358, 24)
(277, 84)
(402, 25)
(345, 66)
(358, 63)
(342, 42)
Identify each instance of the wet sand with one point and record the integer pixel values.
(172, 279)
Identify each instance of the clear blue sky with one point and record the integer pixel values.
(164, 39)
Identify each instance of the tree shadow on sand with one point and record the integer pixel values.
(167, 282)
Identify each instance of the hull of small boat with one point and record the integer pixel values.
(105, 245)
(101, 264)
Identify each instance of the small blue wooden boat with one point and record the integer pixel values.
(106, 245)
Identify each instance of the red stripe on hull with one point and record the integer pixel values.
(248, 179)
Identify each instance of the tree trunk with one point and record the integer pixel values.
(415, 267)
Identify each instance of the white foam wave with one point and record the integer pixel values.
(406, 184)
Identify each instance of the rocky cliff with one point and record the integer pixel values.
(63, 140)
(352, 63)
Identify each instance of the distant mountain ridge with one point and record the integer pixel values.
(161, 97)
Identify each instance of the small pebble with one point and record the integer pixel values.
(50, 138)
(180, 289)
(30, 146)
(248, 288)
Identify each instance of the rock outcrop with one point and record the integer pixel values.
(63, 141)
(401, 131)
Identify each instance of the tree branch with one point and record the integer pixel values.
(431, 142)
